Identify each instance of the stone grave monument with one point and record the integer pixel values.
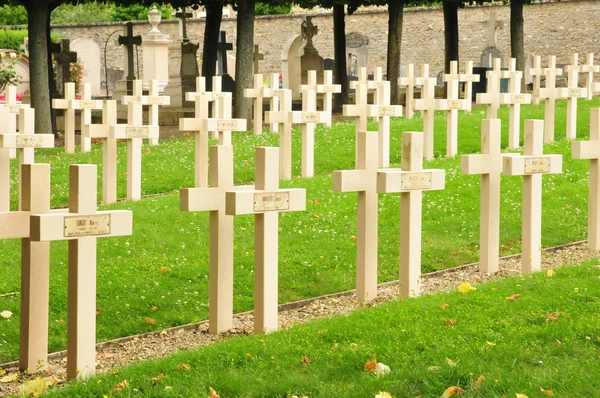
(64, 57)
(222, 48)
(155, 46)
(128, 40)
(309, 56)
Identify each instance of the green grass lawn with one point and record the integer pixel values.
(165, 263)
(545, 339)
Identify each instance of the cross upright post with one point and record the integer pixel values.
(274, 101)
(282, 117)
(383, 110)
(257, 92)
(468, 78)
(359, 110)
(69, 116)
(10, 122)
(410, 182)
(452, 105)
(153, 100)
(427, 105)
(222, 48)
(589, 68)
(536, 72)
(64, 58)
(328, 89)
(85, 105)
(489, 165)
(551, 93)
(257, 57)
(532, 165)
(81, 227)
(410, 81)
(363, 181)
(591, 150)
(266, 201)
(129, 40)
(573, 93)
(514, 99)
(492, 96)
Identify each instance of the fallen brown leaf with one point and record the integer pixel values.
(548, 393)
(157, 379)
(150, 320)
(444, 306)
(107, 355)
(450, 322)
(121, 386)
(213, 393)
(450, 391)
(183, 366)
(513, 297)
(11, 377)
(371, 365)
(451, 363)
(554, 317)
(306, 360)
(98, 310)
(478, 382)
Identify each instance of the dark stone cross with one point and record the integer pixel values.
(129, 40)
(182, 15)
(63, 57)
(222, 47)
(257, 56)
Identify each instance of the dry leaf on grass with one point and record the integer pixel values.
(513, 297)
(548, 393)
(2, 372)
(465, 287)
(6, 314)
(183, 366)
(444, 306)
(164, 269)
(157, 379)
(554, 317)
(450, 391)
(107, 355)
(305, 360)
(213, 393)
(478, 382)
(121, 386)
(450, 322)
(370, 366)
(451, 363)
(33, 388)
(150, 320)
(11, 377)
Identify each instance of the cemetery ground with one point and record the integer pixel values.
(158, 277)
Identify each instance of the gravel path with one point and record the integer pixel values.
(131, 349)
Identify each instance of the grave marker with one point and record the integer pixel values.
(109, 149)
(573, 93)
(82, 226)
(128, 40)
(69, 115)
(257, 57)
(64, 57)
(363, 181)
(383, 110)
(452, 105)
(514, 99)
(282, 117)
(10, 120)
(153, 100)
(265, 202)
(410, 182)
(551, 93)
(427, 105)
(532, 165)
(591, 150)
(274, 100)
(536, 72)
(492, 96)
(489, 165)
(469, 78)
(85, 105)
(257, 92)
(590, 69)
(410, 81)
(328, 89)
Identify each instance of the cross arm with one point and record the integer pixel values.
(384, 110)
(425, 104)
(517, 165)
(123, 131)
(276, 117)
(222, 124)
(84, 104)
(578, 92)
(205, 199)
(476, 164)
(510, 99)
(349, 180)
(396, 180)
(52, 227)
(96, 131)
(8, 140)
(14, 108)
(14, 225)
(451, 104)
(468, 78)
(258, 202)
(585, 150)
(329, 88)
(309, 117)
(154, 99)
(557, 92)
(58, 103)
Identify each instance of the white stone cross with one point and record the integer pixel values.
(492, 95)
(134, 132)
(212, 199)
(573, 92)
(532, 165)
(35, 266)
(383, 110)
(153, 100)
(85, 105)
(328, 89)
(212, 97)
(265, 202)
(410, 81)
(363, 181)
(274, 100)
(591, 150)
(427, 105)
(257, 92)
(308, 118)
(489, 165)
(359, 109)
(109, 149)
(410, 182)
(590, 69)
(24, 143)
(551, 93)
(282, 116)
(536, 72)
(468, 78)
(81, 227)
(70, 104)
(514, 98)
(10, 124)
(452, 105)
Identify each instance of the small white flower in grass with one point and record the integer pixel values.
(381, 369)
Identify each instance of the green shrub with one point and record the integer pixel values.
(13, 15)
(83, 13)
(138, 12)
(12, 39)
(269, 9)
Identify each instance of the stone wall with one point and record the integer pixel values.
(557, 28)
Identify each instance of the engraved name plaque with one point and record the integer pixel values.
(328, 89)
(87, 104)
(310, 117)
(155, 100)
(387, 111)
(136, 132)
(271, 201)
(29, 141)
(455, 104)
(14, 108)
(223, 125)
(537, 165)
(79, 226)
(416, 181)
(574, 92)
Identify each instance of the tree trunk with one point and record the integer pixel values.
(395, 22)
(214, 16)
(244, 58)
(340, 73)
(38, 19)
(51, 79)
(517, 46)
(450, 32)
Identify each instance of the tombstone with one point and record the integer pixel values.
(290, 65)
(309, 56)
(155, 47)
(492, 95)
(257, 57)
(109, 149)
(153, 100)
(427, 105)
(64, 57)
(257, 92)
(266, 201)
(551, 93)
(282, 117)
(410, 182)
(35, 263)
(535, 72)
(128, 41)
(489, 165)
(491, 51)
(573, 93)
(452, 105)
(589, 68)
(532, 165)
(134, 132)
(356, 52)
(326, 90)
(590, 150)
(81, 227)
(222, 64)
(514, 99)
(410, 81)
(468, 78)
(88, 53)
(328, 64)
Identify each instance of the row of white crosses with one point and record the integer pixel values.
(36, 225)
